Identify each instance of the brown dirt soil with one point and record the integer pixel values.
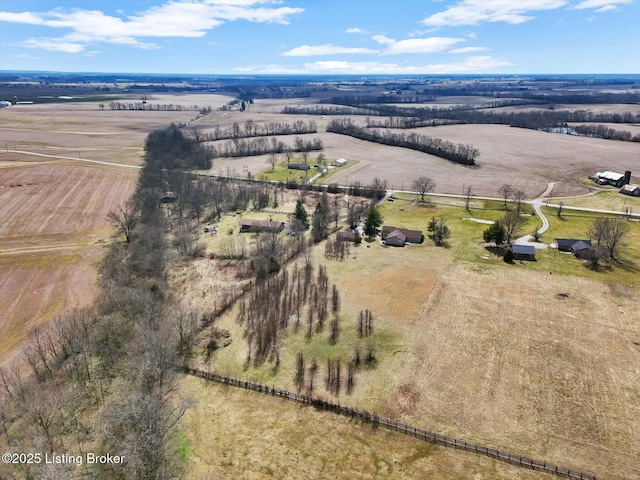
(54, 221)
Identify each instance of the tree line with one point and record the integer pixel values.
(458, 153)
(153, 107)
(239, 147)
(252, 129)
(103, 379)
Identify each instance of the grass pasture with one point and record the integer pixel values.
(507, 356)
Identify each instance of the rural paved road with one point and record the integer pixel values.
(537, 203)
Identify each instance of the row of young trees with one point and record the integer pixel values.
(253, 129)
(602, 131)
(458, 153)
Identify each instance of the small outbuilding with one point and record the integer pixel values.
(339, 162)
(257, 226)
(524, 252)
(168, 197)
(630, 189)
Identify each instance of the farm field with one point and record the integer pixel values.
(82, 130)
(527, 159)
(512, 357)
(54, 223)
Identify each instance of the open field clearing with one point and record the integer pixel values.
(237, 434)
(54, 220)
(610, 200)
(82, 129)
(595, 108)
(510, 356)
(37, 285)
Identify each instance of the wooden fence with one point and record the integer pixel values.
(377, 421)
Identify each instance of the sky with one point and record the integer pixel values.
(322, 36)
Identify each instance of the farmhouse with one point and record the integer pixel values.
(399, 236)
(257, 226)
(630, 189)
(395, 238)
(299, 166)
(524, 252)
(339, 162)
(582, 249)
(565, 244)
(349, 236)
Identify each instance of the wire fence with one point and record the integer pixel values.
(392, 425)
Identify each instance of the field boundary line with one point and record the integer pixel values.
(393, 425)
(61, 157)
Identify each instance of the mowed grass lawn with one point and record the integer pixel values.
(467, 244)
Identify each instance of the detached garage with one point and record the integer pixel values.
(524, 252)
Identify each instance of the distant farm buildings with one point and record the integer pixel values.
(299, 166)
(398, 237)
(257, 226)
(339, 162)
(630, 189)
(524, 252)
(612, 178)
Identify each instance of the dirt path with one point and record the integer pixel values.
(71, 158)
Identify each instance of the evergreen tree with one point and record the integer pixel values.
(300, 213)
(372, 221)
(495, 233)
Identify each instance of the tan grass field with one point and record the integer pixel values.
(53, 225)
(238, 434)
(83, 130)
(540, 365)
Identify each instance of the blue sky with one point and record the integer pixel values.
(321, 36)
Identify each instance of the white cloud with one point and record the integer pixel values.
(467, 50)
(54, 45)
(601, 5)
(355, 30)
(415, 45)
(175, 18)
(327, 49)
(481, 64)
(474, 12)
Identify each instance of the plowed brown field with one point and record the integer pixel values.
(53, 224)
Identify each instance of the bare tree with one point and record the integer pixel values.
(124, 219)
(519, 196)
(512, 224)
(610, 234)
(506, 190)
(468, 194)
(423, 185)
(273, 160)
